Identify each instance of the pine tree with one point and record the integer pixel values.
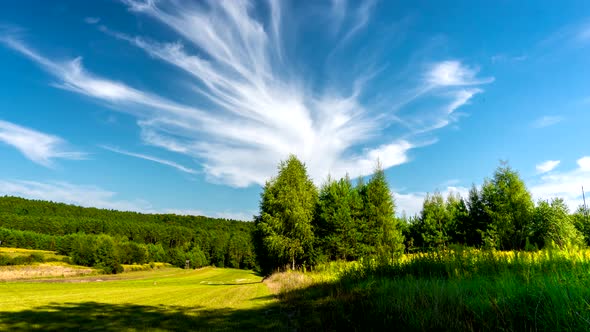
(475, 224)
(458, 214)
(509, 206)
(436, 221)
(383, 235)
(286, 212)
(336, 220)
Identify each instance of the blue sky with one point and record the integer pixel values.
(187, 107)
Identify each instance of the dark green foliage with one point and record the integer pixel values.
(132, 252)
(440, 221)
(83, 250)
(286, 211)
(382, 235)
(339, 220)
(106, 256)
(477, 220)
(458, 214)
(197, 258)
(437, 223)
(139, 238)
(298, 227)
(500, 215)
(99, 251)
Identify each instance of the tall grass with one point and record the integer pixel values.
(452, 290)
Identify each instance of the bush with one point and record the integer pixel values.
(196, 257)
(83, 248)
(156, 253)
(106, 257)
(21, 260)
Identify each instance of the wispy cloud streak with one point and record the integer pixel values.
(39, 147)
(547, 121)
(261, 111)
(151, 158)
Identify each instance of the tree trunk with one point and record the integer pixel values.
(293, 266)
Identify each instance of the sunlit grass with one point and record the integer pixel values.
(16, 252)
(182, 299)
(452, 290)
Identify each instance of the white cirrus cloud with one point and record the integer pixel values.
(547, 166)
(500, 58)
(151, 158)
(37, 146)
(547, 121)
(454, 73)
(92, 20)
(255, 109)
(361, 17)
(564, 184)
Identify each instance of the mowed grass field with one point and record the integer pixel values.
(157, 300)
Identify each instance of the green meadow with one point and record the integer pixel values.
(168, 299)
(454, 290)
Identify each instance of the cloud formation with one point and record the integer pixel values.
(565, 184)
(92, 20)
(256, 110)
(547, 166)
(547, 121)
(39, 147)
(411, 203)
(151, 158)
(453, 73)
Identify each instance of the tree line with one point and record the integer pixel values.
(499, 215)
(301, 225)
(125, 237)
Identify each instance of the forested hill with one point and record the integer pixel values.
(29, 207)
(159, 237)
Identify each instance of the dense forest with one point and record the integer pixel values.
(106, 238)
(300, 225)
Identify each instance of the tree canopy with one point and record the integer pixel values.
(286, 211)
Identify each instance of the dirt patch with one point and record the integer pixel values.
(24, 272)
(76, 280)
(283, 282)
